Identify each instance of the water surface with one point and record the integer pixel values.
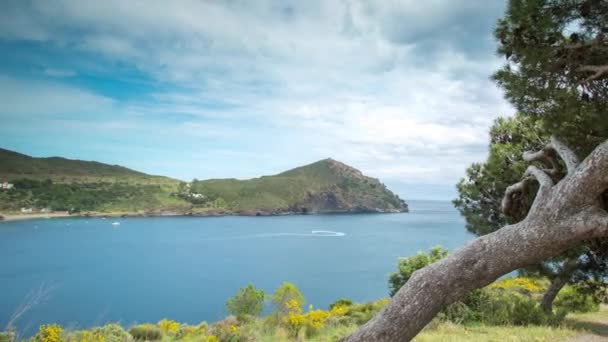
(185, 268)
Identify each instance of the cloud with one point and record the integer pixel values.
(27, 99)
(397, 88)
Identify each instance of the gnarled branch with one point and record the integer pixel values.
(567, 155)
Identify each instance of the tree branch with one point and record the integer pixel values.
(567, 155)
(598, 72)
(507, 201)
(544, 155)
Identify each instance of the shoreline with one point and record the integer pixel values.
(211, 213)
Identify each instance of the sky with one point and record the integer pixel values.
(218, 89)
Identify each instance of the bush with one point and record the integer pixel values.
(227, 330)
(168, 327)
(497, 306)
(7, 336)
(49, 333)
(112, 333)
(247, 302)
(572, 299)
(343, 302)
(285, 294)
(146, 332)
(362, 313)
(189, 331)
(407, 266)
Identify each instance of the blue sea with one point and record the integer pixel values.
(88, 271)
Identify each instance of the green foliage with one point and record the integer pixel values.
(481, 191)
(362, 313)
(146, 332)
(285, 294)
(573, 299)
(14, 166)
(81, 197)
(341, 302)
(497, 306)
(7, 336)
(545, 44)
(322, 186)
(407, 266)
(248, 301)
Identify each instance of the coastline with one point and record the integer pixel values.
(205, 213)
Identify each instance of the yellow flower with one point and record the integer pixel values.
(316, 319)
(49, 333)
(519, 283)
(339, 310)
(233, 329)
(212, 338)
(168, 326)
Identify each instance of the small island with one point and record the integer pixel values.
(48, 187)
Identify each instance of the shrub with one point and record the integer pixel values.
(407, 266)
(113, 333)
(283, 295)
(7, 336)
(572, 299)
(189, 331)
(247, 302)
(226, 330)
(361, 313)
(146, 332)
(49, 333)
(497, 306)
(344, 302)
(168, 327)
(520, 284)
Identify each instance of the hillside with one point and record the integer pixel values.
(14, 165)
(324, 186)
(88, 187)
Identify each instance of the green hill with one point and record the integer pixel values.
(15, 165)
(59, 184)
(324, 186)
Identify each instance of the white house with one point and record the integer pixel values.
(6, 186)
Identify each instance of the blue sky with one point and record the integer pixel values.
(212, 89)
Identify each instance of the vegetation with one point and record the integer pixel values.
(58, 184)
(504, 310)
(247, 302)
(324, 186)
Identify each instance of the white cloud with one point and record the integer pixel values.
(354, 80)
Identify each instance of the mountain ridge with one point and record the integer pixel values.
(325, 186)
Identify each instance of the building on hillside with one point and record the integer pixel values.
(26, 210)
(6, 186)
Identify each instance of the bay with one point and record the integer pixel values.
(185, 268)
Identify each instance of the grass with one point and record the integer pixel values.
(456, 333)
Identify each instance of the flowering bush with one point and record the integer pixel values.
(168, 327)
(49, 333)
(520, 284)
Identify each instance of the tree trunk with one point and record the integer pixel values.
(556, 285)
(561, 216)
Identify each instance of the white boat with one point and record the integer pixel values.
(116, 223)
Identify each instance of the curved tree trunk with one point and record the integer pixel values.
(556, 285)
(561, 216)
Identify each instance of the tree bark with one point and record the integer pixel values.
(556, 285)
(561, 216)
